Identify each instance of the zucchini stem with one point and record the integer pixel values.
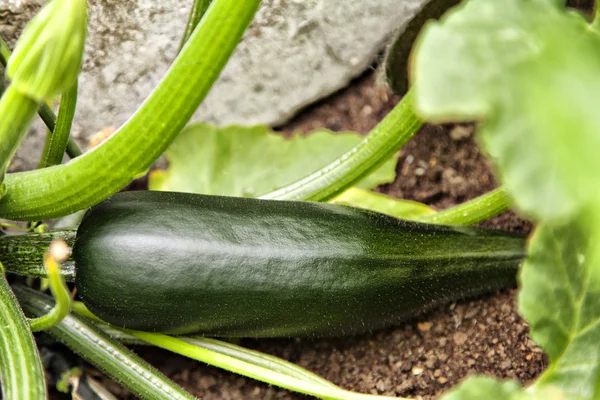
(24, 254)
(57, 140)
(261, 373)
(109, 356)
(63, 189)
(49, 118)
(473, 211)
(58, 252)
(377, 147)
(197, 11)
(21, 370)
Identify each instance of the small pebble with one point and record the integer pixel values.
(431, 362)
(460, 338)
(460, 132)
(471, 313)
(424, 326)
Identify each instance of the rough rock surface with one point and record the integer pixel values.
(296, 51)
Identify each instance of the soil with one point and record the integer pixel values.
(422, 358)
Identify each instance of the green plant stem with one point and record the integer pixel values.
(257, 358)
(45, 112)
(63, 189)
(399, 208)
(21, 371)
(24, 254)
(16, 111)
(251, 356)
(114, 359)
(4, 52)
(471, 212)
(379, 145)
(47, 115)
(56, 142)
(197, 11)
(61, 295)
(253, 371)
(252, 364)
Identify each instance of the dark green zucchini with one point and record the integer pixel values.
(224, 266)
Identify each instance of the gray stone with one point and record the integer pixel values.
(295, 52)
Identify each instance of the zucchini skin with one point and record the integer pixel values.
(184, 263)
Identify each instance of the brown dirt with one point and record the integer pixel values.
(440, 166)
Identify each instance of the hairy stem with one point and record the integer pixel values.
(60, 292)
(473, 211)
(109, 356)
(21, 370)
(63, 189)
(57, 140)
(24, 254)
(197, 11)
(378, 146)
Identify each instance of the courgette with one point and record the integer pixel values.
(236, 267)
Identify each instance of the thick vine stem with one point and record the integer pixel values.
(197, 11)
(46, 61)
(378, 146)
(21, 370)
(4, 52)
(234, 363)
(473, 211)
(63, 189)
(24, 254)
(109, 356)
(57, 140)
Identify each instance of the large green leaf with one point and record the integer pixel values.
(482, 387)
(478, 388)
(560, 298)
(530, 71)
(251, 161)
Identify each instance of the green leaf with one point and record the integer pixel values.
(483, 388)
(480, 387)
(560, 298)
(398, 208)
(251, 161)
(529, 70)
